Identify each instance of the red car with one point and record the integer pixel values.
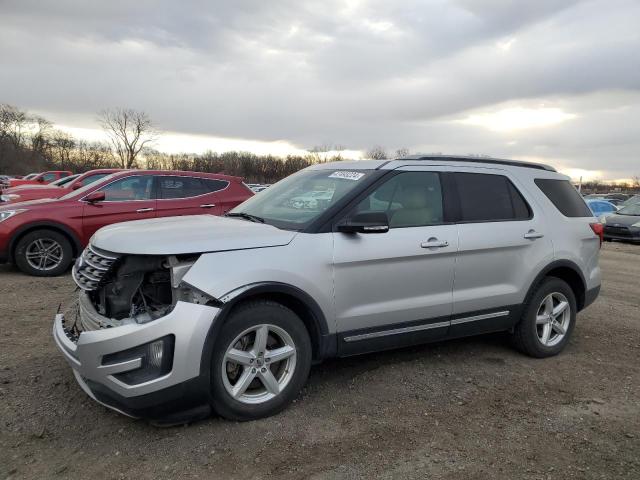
(42, 237)
(44, 177)
(55, 189)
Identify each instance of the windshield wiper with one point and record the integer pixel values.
(246, 216)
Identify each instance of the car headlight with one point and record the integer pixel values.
(8, 197)
(637, 224)
(603, 219)
(10, 213)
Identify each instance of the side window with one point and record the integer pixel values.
(564, 197)
(212, 185)
(486, 197)
(410, 199)
(49, 177)
(130, 188)
(181, 187)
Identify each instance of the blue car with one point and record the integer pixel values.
(600, 208)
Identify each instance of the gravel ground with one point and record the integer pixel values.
(471, 408)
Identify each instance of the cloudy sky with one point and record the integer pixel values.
(549, 80)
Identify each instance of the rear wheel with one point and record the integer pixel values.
(548, 319)
(43, 253)
(261, 360)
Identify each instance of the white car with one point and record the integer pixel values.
(180, 317)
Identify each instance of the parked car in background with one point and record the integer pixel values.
(635, 199)
(55, 189)
(40, 178)
(43, 236)
(600, 208)
(623, 224)
(230, 316)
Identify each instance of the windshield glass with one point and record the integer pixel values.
(64, 180)
(296, 201)
(630, 210)
(82, 190)
(631, 201)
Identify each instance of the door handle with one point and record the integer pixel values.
(208, 205)
(142, 210)
(532, 235)
(434, 243)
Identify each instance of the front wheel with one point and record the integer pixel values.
(261, 360)
(548, 319)
(43, 253)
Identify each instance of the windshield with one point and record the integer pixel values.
(82, 190)
(296, 201)
(64, 180)
(631, 201)
(630, 210)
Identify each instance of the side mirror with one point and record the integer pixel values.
(41, 180)
(368, 222)
(77, 185)
(95, 197)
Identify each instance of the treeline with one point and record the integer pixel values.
(29, 143)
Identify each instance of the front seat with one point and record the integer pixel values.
(416, 208)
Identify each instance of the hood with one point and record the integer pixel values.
(622, 220)
(27, 204)
(24, 188)
(188, 234)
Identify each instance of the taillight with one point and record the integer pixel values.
(598, 229)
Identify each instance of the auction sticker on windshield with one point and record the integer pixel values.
(347, 175)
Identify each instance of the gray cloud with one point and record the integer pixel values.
(353, 73)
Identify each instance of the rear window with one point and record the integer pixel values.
(184, 187)
(564, 196)
(489, 198)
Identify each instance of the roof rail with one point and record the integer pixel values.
(463, 158)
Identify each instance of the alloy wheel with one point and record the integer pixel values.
(553, 319)
(259, 364)
(44, 254)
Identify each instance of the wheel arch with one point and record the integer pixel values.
(569, 272)
(323, 342)
(76, 245)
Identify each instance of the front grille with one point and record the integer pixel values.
(92, 266)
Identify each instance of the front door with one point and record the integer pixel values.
(395, 288)
(129, 198)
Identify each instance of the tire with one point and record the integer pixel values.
(529, 333)
(238, 339)
(56, 259)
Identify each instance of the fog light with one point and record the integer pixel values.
(156, 360)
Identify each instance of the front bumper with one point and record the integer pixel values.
(189, 323)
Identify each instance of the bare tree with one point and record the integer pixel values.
(635, 181)
(402, 152)
(129, 132)
(377, 153)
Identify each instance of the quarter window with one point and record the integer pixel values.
(410, 199)
(564, 197)
(130, 188)
(486, 198)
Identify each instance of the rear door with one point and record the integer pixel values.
(128, 198)
(395, 288)
(501, 241)
(185, 195)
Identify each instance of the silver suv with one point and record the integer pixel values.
(178, 317)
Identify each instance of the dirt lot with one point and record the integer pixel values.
(470, 409)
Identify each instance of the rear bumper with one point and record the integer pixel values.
(183, 389)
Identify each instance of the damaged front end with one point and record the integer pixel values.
(133, 288)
